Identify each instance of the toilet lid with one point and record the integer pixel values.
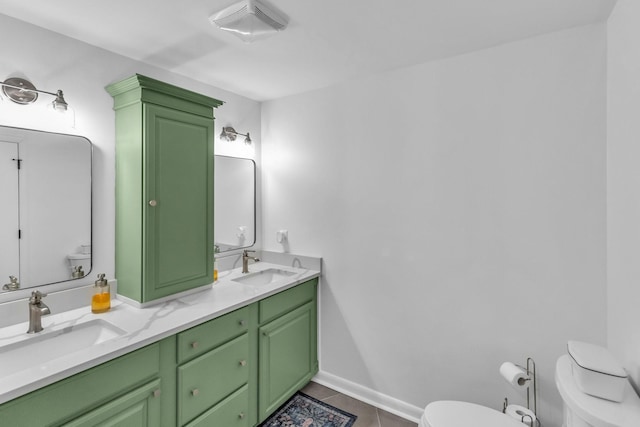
(447, 413)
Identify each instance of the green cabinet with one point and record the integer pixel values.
(287, 345)
(164, 188)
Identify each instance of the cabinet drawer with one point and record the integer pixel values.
(286, 301)
(206, 380)
(202, 338)
(231, 412)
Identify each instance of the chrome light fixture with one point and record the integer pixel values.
(250, 20)
(229, 134)
(22, 91)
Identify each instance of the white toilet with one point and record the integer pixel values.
(448, 413)
(579, 409)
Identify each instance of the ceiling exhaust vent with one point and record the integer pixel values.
(250, 20)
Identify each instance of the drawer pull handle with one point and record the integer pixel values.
(195, 392)
(243, 363)
(156, 393)
(194, 344)
(242, 322)
(241, 415)
(153, 203)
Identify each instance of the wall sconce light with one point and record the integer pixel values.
(229, 134)
(22, 91)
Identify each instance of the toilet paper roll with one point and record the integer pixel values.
(515, 375)
(522, 414)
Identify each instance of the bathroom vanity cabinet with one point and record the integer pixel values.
(232, 371)
(164, 188)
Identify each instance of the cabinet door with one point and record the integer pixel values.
(287, 357)
(138, 408)
(179, 193)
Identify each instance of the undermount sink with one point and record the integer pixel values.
(57, 342)
(264, 277)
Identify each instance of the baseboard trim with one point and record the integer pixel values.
(379, 400)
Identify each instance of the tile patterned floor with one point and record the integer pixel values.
(368, 416)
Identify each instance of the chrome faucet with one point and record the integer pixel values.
(245, 260)
(37, 309)
(13, 285)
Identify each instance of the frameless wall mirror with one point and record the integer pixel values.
(235, 203)
(45, 219)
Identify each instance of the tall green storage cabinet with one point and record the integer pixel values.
(164, 188)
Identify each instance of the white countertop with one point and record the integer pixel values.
(142, 326)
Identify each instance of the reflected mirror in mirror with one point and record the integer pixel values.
(235, 203)
(45, 220)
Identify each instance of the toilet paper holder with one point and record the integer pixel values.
(530, 369)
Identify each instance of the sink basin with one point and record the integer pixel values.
(60, 341)
(264, 277)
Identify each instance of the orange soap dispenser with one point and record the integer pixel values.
(101, 300)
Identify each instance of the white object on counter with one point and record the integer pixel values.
(596, 372)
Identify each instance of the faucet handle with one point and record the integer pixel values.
(36, 297)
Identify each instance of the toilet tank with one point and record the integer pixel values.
(583, 410)
(596, 372)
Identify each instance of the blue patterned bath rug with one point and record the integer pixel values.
(305, 411)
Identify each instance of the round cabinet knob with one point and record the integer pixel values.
(243, 363)
(153, 203)
(156, 393)
(195, 344)
(242, 322)
(195, 392)
(241, 415)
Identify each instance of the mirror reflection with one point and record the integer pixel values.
(45, 220)
(235, 208)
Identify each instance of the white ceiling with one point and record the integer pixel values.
(327, 41)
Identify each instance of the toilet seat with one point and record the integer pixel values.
(448, 413)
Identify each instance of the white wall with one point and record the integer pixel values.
(82, 71)
(459, 207)
(623, 185)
